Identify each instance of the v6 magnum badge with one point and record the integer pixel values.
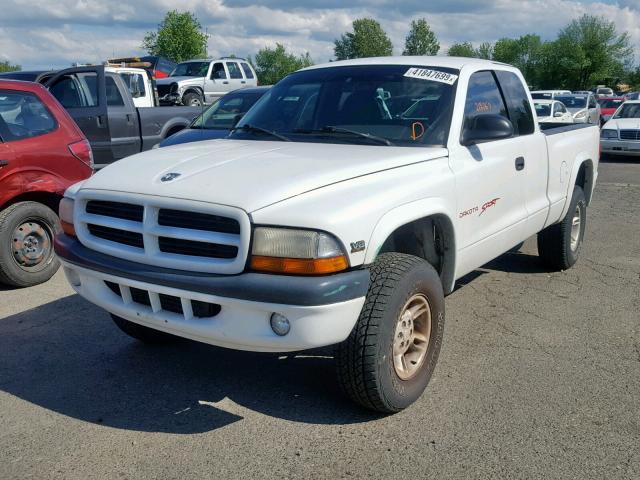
(357, 246)
(167, 177)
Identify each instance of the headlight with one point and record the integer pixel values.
(65, 211)
(299, 252)
(608, 133)
(581, 114)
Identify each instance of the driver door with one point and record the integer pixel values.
(491, 212)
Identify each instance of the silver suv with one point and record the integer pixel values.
(198, 82)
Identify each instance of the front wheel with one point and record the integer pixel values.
(192, 100)
(26, 244)
(559, 245)
(388, 359)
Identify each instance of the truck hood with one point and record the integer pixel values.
(623, 124)
(250, 174)
(180, 80)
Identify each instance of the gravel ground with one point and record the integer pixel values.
(539, 377)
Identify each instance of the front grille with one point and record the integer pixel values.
(116, 235)
(165, 232)
(168, 303)
(196, 249)
(198, 221)
(629, 134)
(164, 90)
(140, 296)
(125, 211)
(171, 303)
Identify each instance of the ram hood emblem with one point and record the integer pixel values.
(167, 177)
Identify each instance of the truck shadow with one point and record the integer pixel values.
(67, 356)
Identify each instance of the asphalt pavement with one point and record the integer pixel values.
(539, 377)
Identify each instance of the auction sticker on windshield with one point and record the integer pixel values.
(427, 74)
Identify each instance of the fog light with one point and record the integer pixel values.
(280, 324)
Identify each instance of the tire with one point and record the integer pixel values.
(365, 361)
(27, 230)
(559, 244)
(142, 333)
(192, 100)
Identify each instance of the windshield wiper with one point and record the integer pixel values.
(334, 129)
(252, 128)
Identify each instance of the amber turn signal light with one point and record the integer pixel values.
(68, 228)
(299, 266)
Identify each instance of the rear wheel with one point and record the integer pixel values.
(559, 245)
(142, 333)
(26, 244)
(386, 362)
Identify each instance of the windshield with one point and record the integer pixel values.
(573, 101)
(542, 96)
(604, 91)
(610, 103)
(543, 109)
(222, 114)
(381, 104)
(191, 69)
(629, 110)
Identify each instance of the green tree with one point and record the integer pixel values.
(592, 52)
(5, 66)
(524, 53)
(461, 50)
(368, 39)
(273, 64)
(179, 37)
(421, 40)
(485, 50)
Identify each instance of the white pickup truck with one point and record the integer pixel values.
(340, 211)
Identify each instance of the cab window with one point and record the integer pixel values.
(218, 72)
(114, 98)
(79, 90)
(247, 70)
(234, 70)
(483, 96)
(135, 84)
(517, 102)
(23, 115)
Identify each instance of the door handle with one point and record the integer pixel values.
(226, 82)
(4, 163)
(520, 163)
(243, 81)
(100, 121)
(129, 117)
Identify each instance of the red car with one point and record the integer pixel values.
(42, 152)
(608, 106)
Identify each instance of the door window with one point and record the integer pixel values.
(247, 70)
(517, 102)
(560, 108)
(78, 90)
(592, 102)
(23, 115)
(483, 96)
(218, 72)
(114, 98)
(234, 70)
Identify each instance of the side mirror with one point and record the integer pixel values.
(486, 127)
(557, 114)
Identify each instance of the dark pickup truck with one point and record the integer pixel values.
(101, 104)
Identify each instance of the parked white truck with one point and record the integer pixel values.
(340, 211)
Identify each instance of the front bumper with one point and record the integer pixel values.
(620, 147)
(321, 310)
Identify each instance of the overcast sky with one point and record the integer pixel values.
(45, 34)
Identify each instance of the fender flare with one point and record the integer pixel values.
(192, 89)
(590, 180)
(409, 212)
(172, 123)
